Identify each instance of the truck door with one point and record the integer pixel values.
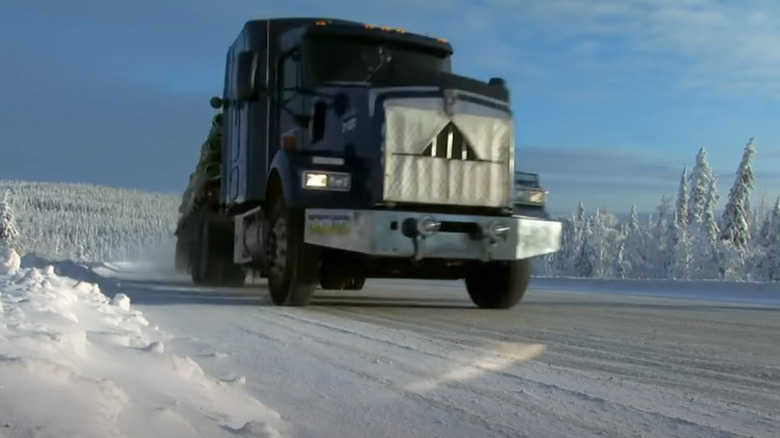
(231, 133)
(288, 80)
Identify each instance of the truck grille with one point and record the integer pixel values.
(433, 158)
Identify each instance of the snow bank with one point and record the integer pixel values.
(75, 363)
(9, 261)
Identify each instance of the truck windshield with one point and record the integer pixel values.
(341, 59)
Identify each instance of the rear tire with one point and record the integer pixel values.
(213, 261)
(293, 265)
(181, 256)
(498, 285)
(355, 283)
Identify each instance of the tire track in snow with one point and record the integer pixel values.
(560, 404)
(612, 367)
(675, 421)
(693, 370)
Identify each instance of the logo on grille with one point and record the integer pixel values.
(449, 100)
(450, 143)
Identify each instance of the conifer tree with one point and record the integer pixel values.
(9, 235)
(700, 179)
(681, 211)
(735, 228)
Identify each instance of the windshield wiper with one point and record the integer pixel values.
(384, 61)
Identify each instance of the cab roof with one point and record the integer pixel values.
(336, 26)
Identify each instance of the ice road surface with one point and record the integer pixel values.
(74, 363)
(415, 359)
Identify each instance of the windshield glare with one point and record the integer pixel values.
(341, 59)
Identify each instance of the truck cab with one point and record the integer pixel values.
(351, 151)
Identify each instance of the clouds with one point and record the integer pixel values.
(588, 162)
(616, 179)
(713, 45)
(597, 177)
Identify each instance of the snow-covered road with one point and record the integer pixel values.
(410, 359)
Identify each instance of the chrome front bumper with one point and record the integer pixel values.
(420, 235)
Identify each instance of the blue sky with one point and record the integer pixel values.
(612, 97)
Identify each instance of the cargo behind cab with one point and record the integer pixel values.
(344, 152)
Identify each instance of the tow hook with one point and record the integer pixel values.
(490, 235)
(418, 230)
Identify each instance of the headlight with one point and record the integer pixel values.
(327, 180)
(535, 197)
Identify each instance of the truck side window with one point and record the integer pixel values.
(289, 76)
(318, 127)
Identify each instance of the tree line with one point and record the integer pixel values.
(84, 222)
(684, 238)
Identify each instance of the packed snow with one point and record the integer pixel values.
(578, 358)
(74, 362)
(401, 358)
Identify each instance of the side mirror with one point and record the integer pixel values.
(246, 75)
(216, 102)
(497, 82)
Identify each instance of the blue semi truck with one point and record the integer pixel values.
(342, 151)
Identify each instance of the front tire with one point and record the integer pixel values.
(498, 285)
(293, 265)
(332, 281)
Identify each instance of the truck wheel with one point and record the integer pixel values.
(181, 256)
(330, 281)
(292, 264)
(194, 263)
(498, 285)
(355, 283)
(215, 265)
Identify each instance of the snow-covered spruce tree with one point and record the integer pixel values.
(734, 222)
(681, 207)
(620, 264)
(700, 208)
(658, 253)
(710, 224)
(705, 241)
(763, 236)
(606, 235)
(564, 257)
(678, 242)
(679, 259)
(588, 253)
(768, 267)
(573, 232)
(700, 179)
(732, 252)
(9, 235)
(635, 253)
